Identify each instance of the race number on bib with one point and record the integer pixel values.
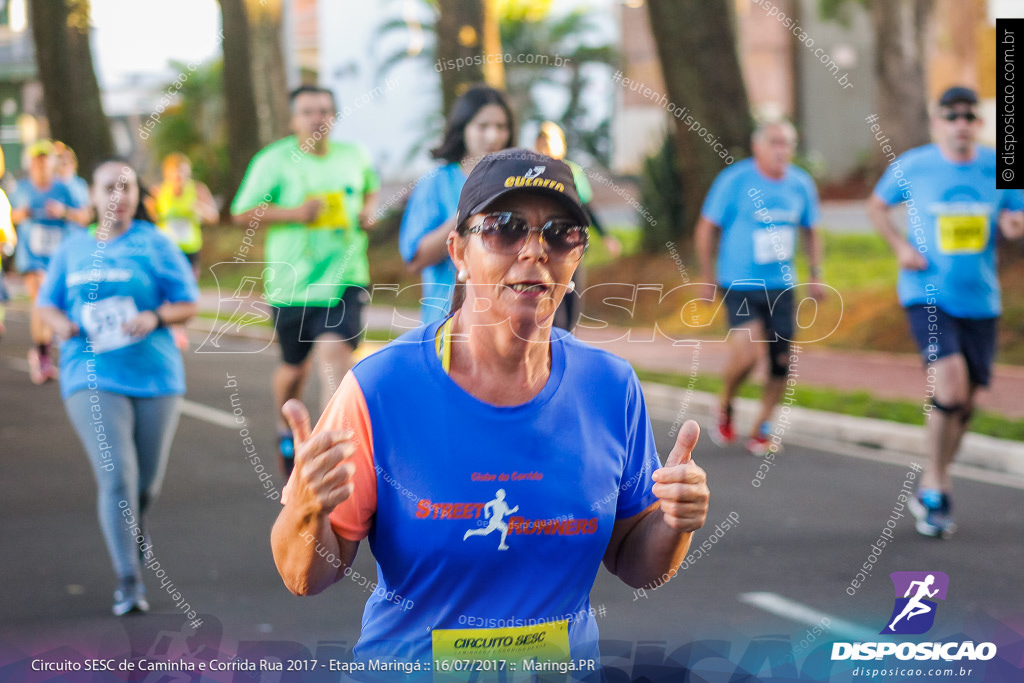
(104, 321)
(963, 234)
(774, 246)
(43, 240)
(180, 229)
(490, 654)
(332, 214)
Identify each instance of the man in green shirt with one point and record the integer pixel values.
(315, 196)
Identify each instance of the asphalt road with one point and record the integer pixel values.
(780, 575)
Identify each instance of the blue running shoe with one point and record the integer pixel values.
(286, 445)
(933, 510)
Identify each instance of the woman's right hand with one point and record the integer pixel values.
(321, 479)
(66, 329)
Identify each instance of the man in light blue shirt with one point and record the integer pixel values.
(947, 282)
(760, 205)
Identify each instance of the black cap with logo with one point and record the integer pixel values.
(517, 170)
(956, 95)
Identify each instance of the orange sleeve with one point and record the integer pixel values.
(347, 411)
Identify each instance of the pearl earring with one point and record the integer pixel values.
(571, 288)
(463, 275)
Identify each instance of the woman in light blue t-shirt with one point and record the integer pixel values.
(479, 123)
(110, 295)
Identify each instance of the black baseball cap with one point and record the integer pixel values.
(956, 95)
(515, 170)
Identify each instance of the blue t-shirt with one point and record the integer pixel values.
(952, 219)
(759, 218)
(99, 285)
(39, 235)
(79, 189)
(433, 201)
(488, 516)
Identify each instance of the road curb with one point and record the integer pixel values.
(675, 404)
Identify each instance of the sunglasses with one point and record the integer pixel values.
(506, 233)
(968, 116)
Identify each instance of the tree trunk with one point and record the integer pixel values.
(901, 32)
(466, 31)
(268, 71)
(239, 98)
(697, 49)
(60, 29)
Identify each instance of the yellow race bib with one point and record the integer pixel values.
(333, 214)
(963, 234)
(490, 654)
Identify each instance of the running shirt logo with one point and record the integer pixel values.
(495, 511)
(496, 515)
(914, 610)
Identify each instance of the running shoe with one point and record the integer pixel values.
(723, 434)
(35, 367)
(286, 445)
(47, 368)
(130, 597)
(933, 510)
(757, 444)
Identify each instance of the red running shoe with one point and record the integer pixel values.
(723, 434)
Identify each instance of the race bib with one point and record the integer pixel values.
(104, 321)
(963, 234)
(180, 229)
(774, 246)
(491, 654)
(332, 214)
(43, 240)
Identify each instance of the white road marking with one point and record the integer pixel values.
(795, 611)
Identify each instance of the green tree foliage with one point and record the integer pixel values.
(660, 194)
(195, 126)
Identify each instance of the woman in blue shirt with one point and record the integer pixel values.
(493, 464)
(479, 123)
(110, 296)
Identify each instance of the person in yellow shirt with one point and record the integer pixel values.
(8, 241)
(180, 205)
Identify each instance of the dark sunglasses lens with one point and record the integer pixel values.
(562, 238)
(970, 117)
(504, 233)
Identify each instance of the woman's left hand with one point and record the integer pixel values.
(681, 485)
(142, 324)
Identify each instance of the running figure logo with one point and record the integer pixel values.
(495, 511)
(914, 612)
(534, 172)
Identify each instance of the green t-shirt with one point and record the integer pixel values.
(311, 264)
(583, 188)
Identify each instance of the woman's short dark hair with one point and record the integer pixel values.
(453, 148)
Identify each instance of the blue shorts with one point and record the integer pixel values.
(939, 334)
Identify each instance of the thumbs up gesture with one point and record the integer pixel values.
(321, 479)
(681, 485)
